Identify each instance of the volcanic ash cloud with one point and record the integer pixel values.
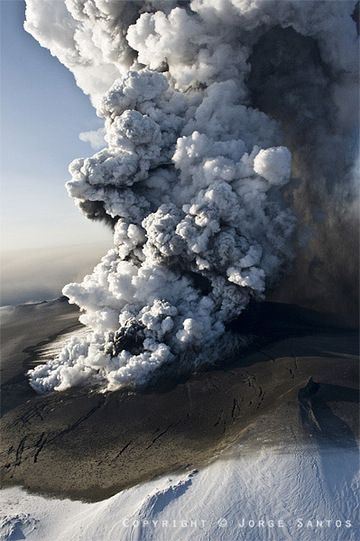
(192, 177)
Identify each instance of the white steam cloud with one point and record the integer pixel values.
(95, 138)
(192, 176)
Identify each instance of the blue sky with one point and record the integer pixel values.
(42, 114)
(45, 241)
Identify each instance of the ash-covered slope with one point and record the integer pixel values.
(203, 105)
(108, 442)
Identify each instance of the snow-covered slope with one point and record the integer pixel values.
(263, 495)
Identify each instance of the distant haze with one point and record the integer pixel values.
(39, 274)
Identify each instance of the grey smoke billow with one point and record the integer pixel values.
(204, 105)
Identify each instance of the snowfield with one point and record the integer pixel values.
(307, 494)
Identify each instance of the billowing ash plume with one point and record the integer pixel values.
(202, 103)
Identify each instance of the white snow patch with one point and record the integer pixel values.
(218, 502)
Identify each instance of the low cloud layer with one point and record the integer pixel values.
(38, 274)
(196, 174)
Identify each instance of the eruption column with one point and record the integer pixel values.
(194, 179)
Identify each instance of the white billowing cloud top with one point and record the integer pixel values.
(190, 175)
